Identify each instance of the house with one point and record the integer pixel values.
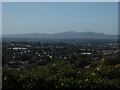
(86, 53)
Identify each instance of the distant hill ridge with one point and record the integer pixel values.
(64, 35)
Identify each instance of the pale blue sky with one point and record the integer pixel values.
(51, 17)
(0, 19)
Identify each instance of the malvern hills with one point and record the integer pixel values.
(63, 35)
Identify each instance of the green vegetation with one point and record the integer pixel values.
(62, 75)
(60, 65)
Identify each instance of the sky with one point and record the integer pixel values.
(60, 0)
(0, 19)
(55, 17)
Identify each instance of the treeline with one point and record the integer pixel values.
(61, 74)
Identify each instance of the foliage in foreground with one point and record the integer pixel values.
(63, 75)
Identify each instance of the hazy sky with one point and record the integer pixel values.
(0, 19)
(51, 17)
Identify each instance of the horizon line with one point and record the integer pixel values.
(59, 32)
